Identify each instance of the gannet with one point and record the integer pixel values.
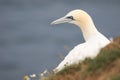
(94, 40)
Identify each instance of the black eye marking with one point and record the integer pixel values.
(70, 17)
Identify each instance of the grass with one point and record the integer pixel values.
(117, 77)
(106, 66)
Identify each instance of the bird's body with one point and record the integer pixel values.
(89, 49)
(94, 40)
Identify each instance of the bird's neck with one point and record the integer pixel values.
(89, 30)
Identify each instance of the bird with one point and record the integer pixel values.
(94, 40)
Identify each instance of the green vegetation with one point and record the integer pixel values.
(106, 66)
(116, 77)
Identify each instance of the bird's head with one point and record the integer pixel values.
(78, 17)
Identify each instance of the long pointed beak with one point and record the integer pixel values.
(61, 20)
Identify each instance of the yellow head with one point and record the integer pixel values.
(81, 19)
(78, 17)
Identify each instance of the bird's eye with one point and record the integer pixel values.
(70, 17)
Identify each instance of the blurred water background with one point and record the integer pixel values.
(29, 44)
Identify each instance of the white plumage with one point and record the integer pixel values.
(94, 40)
